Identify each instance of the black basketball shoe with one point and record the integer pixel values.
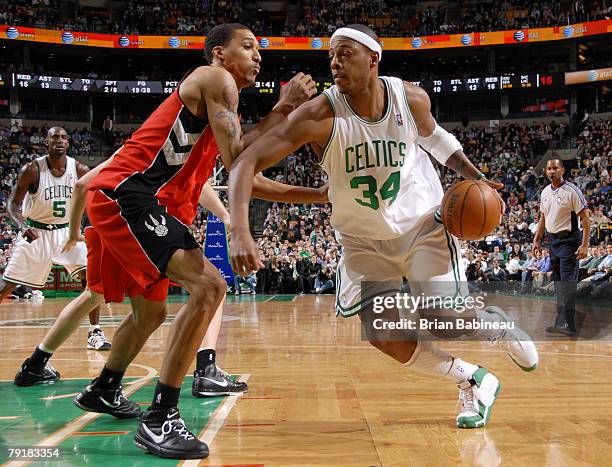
(213, 381)
(163, 432)
(29, 377)
(110, 401)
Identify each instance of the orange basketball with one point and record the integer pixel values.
(471, 210)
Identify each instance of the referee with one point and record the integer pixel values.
(561, 204)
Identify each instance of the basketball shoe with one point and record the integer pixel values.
(477, 396)
(110, 401)
(519, 346)
(96, 340)
(27, 376)
(213, 381)
(163, 432)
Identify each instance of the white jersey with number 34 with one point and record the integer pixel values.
(380, 182)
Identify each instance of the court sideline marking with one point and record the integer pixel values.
(80, 422)
(210, 432)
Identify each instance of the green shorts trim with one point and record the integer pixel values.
(355, 308)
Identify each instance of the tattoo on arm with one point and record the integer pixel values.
(230, 96)
(462, 165)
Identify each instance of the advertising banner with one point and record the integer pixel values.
(475, 39)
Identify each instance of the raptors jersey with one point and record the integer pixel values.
(169, 158)
(380, 182)
(51, 202)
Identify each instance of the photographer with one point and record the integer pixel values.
(325, 280)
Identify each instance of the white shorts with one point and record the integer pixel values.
(31, 263)
(428, 256)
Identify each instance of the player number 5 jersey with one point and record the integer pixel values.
(51, 203)
(380, 182)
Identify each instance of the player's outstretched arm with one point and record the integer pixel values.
(77, 201)
(264, 188)
(312, 122)
(297, 91)
(441, 144)
(28, 178)
(212, 91)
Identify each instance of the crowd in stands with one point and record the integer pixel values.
(391, 18)
(298, 246)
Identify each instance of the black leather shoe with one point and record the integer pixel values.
(110, 401)
(26, 376)
(163, 433)
(213, 381)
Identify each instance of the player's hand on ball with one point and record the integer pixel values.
(298, 90)
(244, 253)
(497, 186)
(71, 242)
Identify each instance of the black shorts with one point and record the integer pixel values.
(158, 233)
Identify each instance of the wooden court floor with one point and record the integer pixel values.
(319, 395)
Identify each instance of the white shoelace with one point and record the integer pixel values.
(466, 396)
(177, 425)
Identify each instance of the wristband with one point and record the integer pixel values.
(480, 176)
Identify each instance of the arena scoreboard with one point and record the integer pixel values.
(64, 83)
(440, 86)
(108, 86)
(493, 83)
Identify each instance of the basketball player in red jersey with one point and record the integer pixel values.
(140, 204)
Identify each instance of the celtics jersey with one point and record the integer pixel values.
(51, 202)
(380, 182)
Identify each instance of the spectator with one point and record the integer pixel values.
(325, 280)
(513, 267)
(542, 276)
(250, 281)
(497, 275)
(527, 269)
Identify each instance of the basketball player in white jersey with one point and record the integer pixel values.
(43, 191)
(384, 191)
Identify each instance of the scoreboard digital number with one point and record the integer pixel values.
(531, 80)
(437, 86)
(265, 87)
(24, 80)
(491, 83)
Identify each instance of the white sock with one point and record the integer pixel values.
(461, 371)
(430, 360)
(93, 326)
(44, 349)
